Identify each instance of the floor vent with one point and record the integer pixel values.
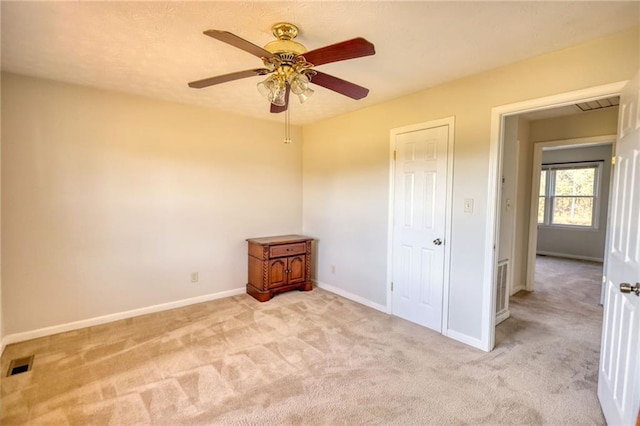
(502, 293)
(20, 365)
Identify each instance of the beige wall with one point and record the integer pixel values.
(523, 206)
(346, 169)
(586, 124)
(514, 221)
(508, 189)
(110, 201)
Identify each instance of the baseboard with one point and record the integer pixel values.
(463, 338)
(48, 331)
(570, 256)
(351, 296)
(514, 290)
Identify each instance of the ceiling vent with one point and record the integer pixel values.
(599, 103)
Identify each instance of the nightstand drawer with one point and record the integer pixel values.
(287, 249)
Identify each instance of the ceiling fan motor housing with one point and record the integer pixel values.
(284, 46)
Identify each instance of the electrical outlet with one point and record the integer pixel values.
(333, 269)
(194, 277)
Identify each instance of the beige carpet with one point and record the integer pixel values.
(316, 358)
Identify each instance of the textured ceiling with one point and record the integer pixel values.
(155, 48)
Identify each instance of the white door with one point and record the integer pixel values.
(420, 194)
(619, 372)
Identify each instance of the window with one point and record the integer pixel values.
(568, 194)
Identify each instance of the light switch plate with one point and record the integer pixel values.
(468, 205)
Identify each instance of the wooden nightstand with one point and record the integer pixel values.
(278, 264)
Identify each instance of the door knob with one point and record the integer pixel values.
(437, 241)
(628, 288)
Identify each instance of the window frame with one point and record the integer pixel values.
(549, 193)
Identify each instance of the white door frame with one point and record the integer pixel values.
(535, 188)
(498, 115)
(449, 121)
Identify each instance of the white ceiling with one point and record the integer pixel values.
(155, 48)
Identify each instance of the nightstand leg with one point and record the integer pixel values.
(261, 296)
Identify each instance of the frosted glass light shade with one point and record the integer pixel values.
(306, 94)
(279, 96)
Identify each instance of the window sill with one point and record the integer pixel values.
(569, 228)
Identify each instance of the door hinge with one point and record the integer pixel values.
(613, 160)
(394, 155)
(391, 285)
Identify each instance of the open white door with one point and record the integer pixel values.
(619, 372)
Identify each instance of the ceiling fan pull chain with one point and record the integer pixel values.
(287, 126)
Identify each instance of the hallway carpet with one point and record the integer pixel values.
(316, 358)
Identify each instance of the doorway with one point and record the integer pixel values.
(494, 209)
(554, 193)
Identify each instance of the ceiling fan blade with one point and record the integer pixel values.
(199, 84)
(238, 42)
(350, 49)
(339, 85)
(277, 109)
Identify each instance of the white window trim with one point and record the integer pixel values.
(548, 214)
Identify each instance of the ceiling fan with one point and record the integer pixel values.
(291, 67)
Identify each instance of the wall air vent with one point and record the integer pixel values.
(20, 365)
(599, 103)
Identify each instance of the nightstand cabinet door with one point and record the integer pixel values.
(296, 269)
(277, 272)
